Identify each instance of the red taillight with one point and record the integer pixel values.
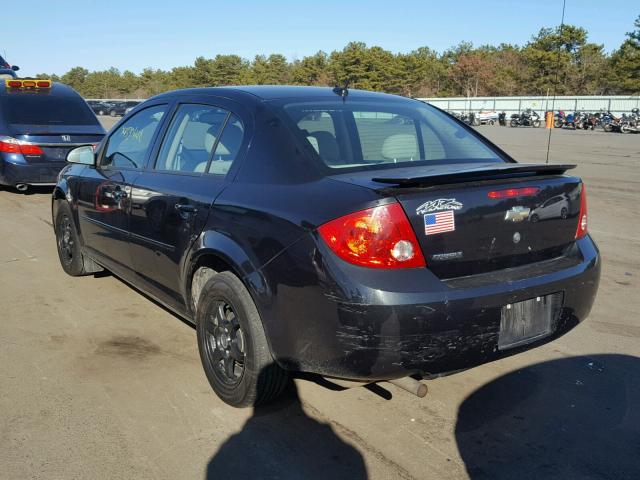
(14, 83)
(379, 237)
(581, 231)
(44, 84)
(514, 192)
(11, 145)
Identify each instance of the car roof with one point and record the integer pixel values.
(278, 92)
(57, 89)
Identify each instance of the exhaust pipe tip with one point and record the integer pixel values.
(411, 385)
(22, 187)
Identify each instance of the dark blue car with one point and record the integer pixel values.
(40, 122)
(350, 234)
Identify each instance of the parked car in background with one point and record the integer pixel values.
(99, 107)
(118, 109)
(350, 234)
(489, 117)
(40, 122)
(7, 70)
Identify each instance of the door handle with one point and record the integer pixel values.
(186, 208)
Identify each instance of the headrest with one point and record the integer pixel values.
(400, 146)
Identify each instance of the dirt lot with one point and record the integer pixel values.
(96, 381)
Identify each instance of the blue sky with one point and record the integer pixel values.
(53, 36)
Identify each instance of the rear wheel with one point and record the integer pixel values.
(113, 113)
(513, 123)
(73, 261)
(233, 346)
(536, 123)
(563, 213)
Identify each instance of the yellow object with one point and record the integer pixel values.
(35, 83)
(549, 120)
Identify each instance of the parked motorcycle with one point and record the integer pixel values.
(527, 118)
(630, 123)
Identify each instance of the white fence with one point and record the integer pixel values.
(615, 104)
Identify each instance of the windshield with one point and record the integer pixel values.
(359, 135)
(31, 108)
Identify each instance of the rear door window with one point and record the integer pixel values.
(191, 138)
(129, 145)
(227, 147)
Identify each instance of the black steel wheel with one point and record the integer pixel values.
(225, 343)
(233, 346)
(72, 260)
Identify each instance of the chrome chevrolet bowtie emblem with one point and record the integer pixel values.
(517, 214)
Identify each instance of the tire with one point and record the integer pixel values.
(112, 113)
(492, 122)
(557, 124)
(624, 128)
(536, 123)
(233, 346)
(513, 123)
(534, 218)
(72, 260)
(607, 127)
(563, 213)
(101, 112)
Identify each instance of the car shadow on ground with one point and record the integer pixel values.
(577, 417)
(281, 441)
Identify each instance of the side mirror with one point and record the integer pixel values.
(15, 68)
(83, 155)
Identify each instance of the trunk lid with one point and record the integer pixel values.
(56, 146)
(464, 229)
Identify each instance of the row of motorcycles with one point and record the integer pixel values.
(627, 123)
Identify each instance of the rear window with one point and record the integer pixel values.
(45, 108)
(357, 135)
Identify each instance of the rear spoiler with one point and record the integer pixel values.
(469, 174)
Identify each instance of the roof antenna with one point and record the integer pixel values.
(343, 91)
(555, 82)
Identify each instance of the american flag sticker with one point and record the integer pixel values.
(439, 222)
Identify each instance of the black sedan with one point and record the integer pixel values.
(40, 122)
(350, 234)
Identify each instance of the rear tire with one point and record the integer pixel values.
(233, 347)
(112, 113)
(72, 260)
(536, 124)
(513, 123)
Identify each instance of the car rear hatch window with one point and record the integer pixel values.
(358, 135)
(46, 108)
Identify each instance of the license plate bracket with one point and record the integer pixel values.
(530, 320)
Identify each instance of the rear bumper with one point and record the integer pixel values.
(325, 316)
(13, 173)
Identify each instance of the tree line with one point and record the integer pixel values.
(560, 58)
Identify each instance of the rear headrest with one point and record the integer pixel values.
(400, 146)
(326, 145)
